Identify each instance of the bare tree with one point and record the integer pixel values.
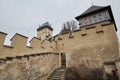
(69, 26)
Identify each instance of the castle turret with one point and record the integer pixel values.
(44, 31)
(95, 15)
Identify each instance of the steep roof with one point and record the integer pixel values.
(94, 9)
(90, 10)
(45, 25)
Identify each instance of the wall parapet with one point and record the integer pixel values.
(2, 38)
(19, 46)
(19, 35)
(26, 56)
(98, 28)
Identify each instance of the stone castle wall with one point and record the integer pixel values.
(96, 43)
(92, 46)
(118, 63)
(29, 67)
(18, 46)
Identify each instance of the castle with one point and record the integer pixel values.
(94, 44)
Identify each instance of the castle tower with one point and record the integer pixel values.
(96, 15)
(44, 31)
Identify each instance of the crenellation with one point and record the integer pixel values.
(71, 35)
(83, 31)
(46, 45)
(35, 42)
(2, 38)
(99, 28)
(17, 35)
(34, 38)
(19, 41)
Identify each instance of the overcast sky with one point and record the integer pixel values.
(24, 16)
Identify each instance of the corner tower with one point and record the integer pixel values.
(98, 26)
(96, 15)
(44, 31)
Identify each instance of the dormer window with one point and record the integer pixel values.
(85, 20)
(80, 22)
(106, 15)
(94, 18)
(100, 16)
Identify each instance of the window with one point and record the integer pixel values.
(100, 16)
(94, 19)
(80, 22)
(85, 21)
(106, 15)
(90, 20)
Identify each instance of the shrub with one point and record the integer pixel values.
(72, 74)
(83, 73)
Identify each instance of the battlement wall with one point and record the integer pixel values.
(37, 66)
(19, 46)
(92, 44)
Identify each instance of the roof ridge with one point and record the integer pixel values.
(93, 7)
(97, 6)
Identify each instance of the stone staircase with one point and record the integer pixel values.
(58, 74)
